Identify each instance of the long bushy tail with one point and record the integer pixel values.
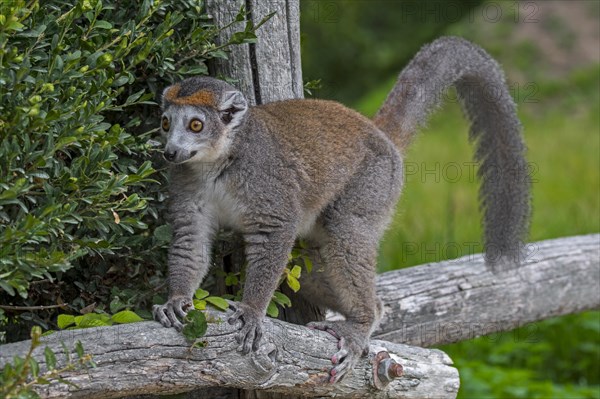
(500, 150)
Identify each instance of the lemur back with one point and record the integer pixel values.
(326, 151)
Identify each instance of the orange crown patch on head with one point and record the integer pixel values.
(199, 98)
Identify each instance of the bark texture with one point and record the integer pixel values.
(459, 299)
(146, 358)
(270, 69)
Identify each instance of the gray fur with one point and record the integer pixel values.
(496, 130)
(312, 169)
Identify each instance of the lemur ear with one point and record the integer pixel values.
(163, 98)
(232, 107)
(168, 94)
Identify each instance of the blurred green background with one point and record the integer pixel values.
(550, 53)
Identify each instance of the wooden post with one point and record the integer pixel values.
(270, 69)
(266, 71)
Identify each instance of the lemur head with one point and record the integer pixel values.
(199, 118)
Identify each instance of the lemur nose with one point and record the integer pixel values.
(170, 155)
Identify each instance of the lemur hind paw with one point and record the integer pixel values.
(351, 345)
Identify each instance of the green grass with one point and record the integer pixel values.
(556, 358)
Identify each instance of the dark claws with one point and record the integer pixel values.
(168, 313)
(250, 333)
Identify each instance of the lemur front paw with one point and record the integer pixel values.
(352, 345)
(251, 332)
(167, 314)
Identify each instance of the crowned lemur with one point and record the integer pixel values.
(317, 170)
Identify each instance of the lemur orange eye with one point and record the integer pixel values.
(165, 123)
(196, 125)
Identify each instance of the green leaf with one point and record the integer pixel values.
(163, 234)
(40, 175)
(200, 344)
(296, 271)
(281, 299)
(293, 282)
(50, 358)
(199, 304)
(200, 293)
(66, 351)
(196, 70)
(34, 366)
(241, 15)
(79, 349)
(89, 323)
(265, 19)
(218, 302)
(308, 264)
(14, 25)
(126, 316)
(116, 305)
(231, 279)
(4, 285)
(121, 81)
(65, 320)
(35, 334)
(195, 326)
(93, 320)
(272, 310)
(103, 25)
(134, 97)
(242, 37)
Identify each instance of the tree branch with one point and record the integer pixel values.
(146, 358)
(460, 299)
(29, 308)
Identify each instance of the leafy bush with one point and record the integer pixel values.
(17, 379)
(80, 199)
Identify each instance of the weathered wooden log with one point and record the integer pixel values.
(459, 299)
(146, 358)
